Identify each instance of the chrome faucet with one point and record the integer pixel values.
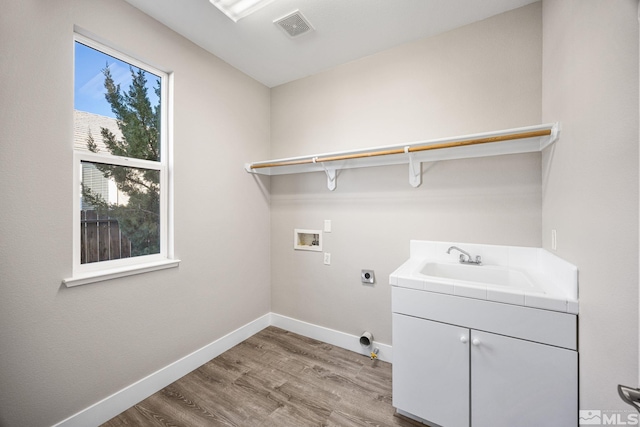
(465, 257)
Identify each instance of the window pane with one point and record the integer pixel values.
(116, 106)
(120, 212)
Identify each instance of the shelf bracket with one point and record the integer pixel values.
(331, 175)
(415, 169)
(552, 137)
(331, 178)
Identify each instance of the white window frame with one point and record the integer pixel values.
(105, 270)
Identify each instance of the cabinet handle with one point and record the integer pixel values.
(464, 339)
(475, 342)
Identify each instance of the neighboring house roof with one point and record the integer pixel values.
(89, 123)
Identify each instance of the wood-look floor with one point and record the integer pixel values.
(275, 378)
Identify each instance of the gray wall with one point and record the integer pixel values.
(590, 180)
(482, 77)
(61, 349)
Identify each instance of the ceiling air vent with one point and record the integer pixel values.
(294, 24)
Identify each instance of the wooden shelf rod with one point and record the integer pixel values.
(406, 149)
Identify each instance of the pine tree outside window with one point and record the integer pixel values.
(122, 215)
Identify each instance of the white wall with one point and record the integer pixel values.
(482, 77)
(61, 349)
(590, 191)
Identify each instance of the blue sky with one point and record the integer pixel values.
(89, 88)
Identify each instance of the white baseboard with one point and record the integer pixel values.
(330, 336)
(122, 400)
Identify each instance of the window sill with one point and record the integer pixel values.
(99, 276)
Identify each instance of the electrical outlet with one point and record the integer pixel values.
(368, 276)
(327, 258)
(327, 226)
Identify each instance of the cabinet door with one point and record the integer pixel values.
(522, 383)
(431, 370)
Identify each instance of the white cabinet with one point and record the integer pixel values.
(522, 383)
(453, 375)
(431, 370)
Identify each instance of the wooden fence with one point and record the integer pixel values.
(101, 238)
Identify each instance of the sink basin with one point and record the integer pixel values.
(531, 277)
(486, 274)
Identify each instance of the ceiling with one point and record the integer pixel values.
(344, 30)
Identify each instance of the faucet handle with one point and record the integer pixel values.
(478, 259)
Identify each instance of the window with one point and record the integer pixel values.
(121, 166)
